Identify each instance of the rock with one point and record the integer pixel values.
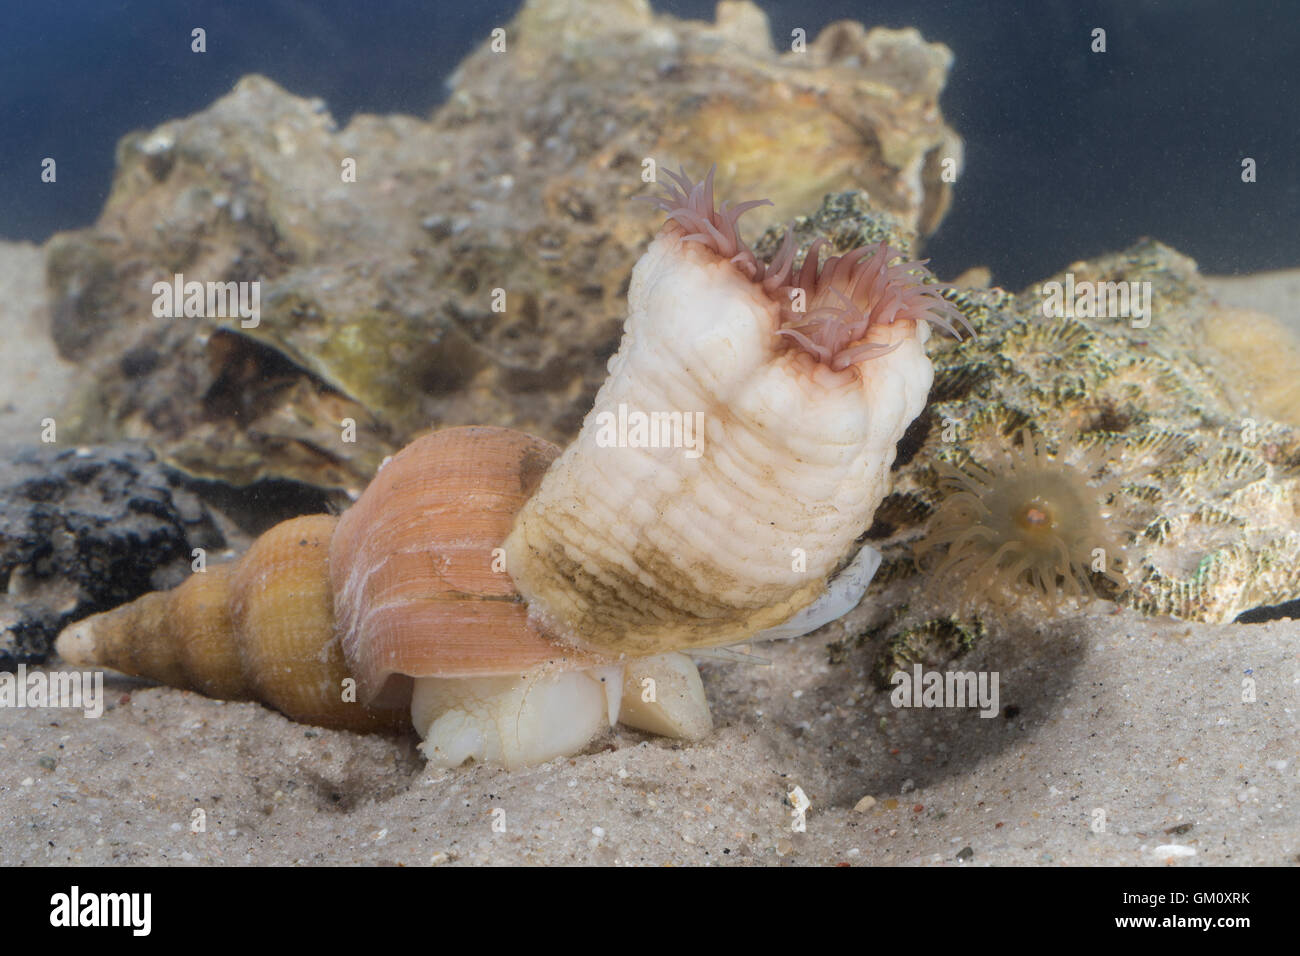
(378, 297)
(1209, 475)
(932, 644)
(83, 530)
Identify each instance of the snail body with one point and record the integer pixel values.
(515, 601)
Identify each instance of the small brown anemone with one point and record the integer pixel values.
(1034, 527)
(826, 308)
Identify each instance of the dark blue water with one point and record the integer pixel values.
(1068, 153)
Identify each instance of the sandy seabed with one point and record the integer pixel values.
(1132, 727)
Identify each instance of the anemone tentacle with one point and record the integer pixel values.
(840, 300)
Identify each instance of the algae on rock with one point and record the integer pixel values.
(1211, 481)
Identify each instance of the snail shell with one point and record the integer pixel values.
(417, 556)
(400, 606)
(260, 628)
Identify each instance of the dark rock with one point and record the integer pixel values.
(86, 529)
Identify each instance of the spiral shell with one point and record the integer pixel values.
(260, 628)
(402, 605)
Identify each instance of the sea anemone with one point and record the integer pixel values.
(828, 310)
(1034, 526)
(633, 546)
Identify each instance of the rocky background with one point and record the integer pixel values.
(378, 295)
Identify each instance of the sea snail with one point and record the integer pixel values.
(515, 603)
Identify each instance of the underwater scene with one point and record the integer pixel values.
(629, 433)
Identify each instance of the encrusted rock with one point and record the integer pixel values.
(1209, 479)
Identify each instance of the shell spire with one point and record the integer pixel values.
(260, 628)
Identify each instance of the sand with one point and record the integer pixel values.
(1118, 740)
(1139, 720)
